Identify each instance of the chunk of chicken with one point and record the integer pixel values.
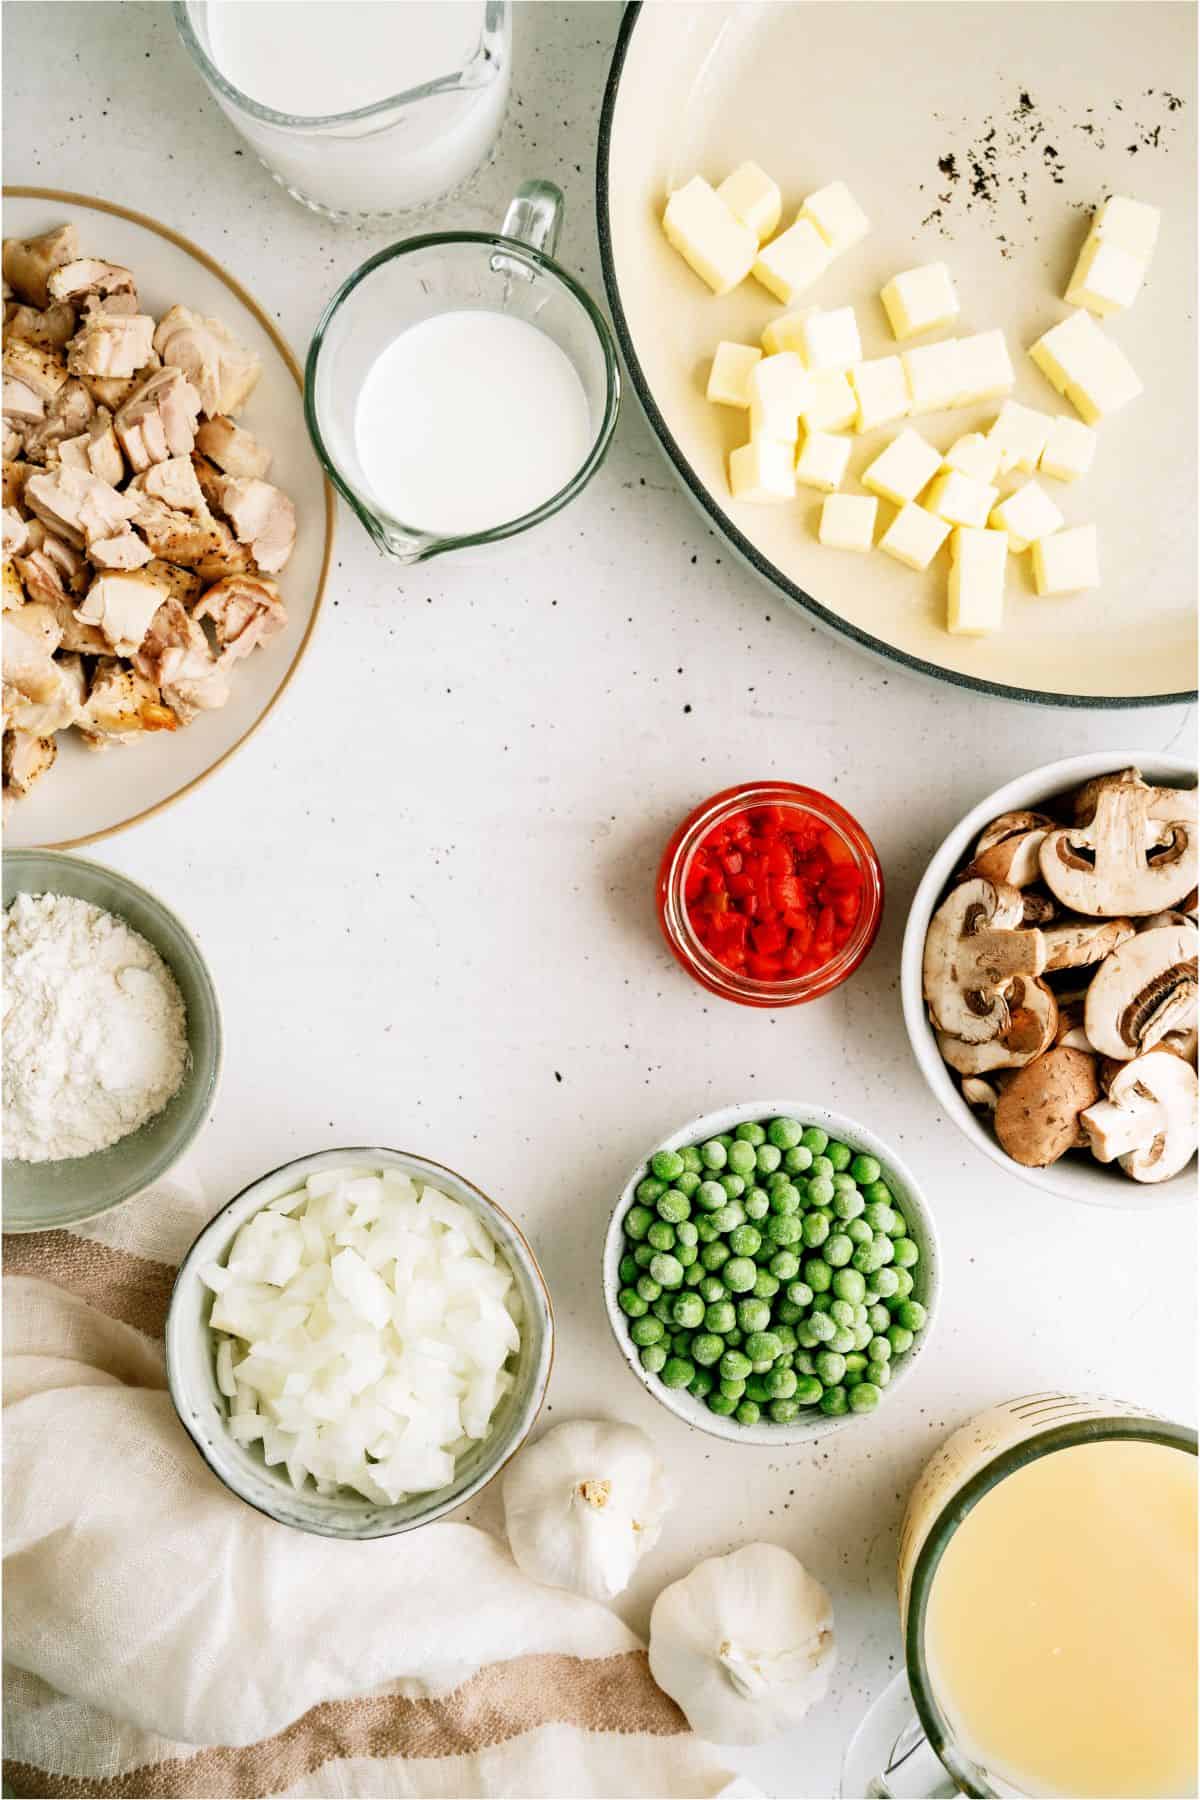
(96, 450)
(263, 517)
(178, 537)
(112, 345)
(221, 370)
(50, 329)
(174, 483)
(124, 550)
(12, 588)
(12, 488)
(228, 557)
(245, 610)
(183, 585)
(70, 565)
(31, 636)
(16, 531)
(14, 437)
(41, 371)
(28, 263)
(69, 413)
(24, 760)
(56, 710)
(122, 604)
(174, 649)
(121, 705)
(88, 278)
(43, 584)
(232, 449)
(78, 506)
(158, 420)
(107, 390)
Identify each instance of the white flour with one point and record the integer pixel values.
(95, 1038)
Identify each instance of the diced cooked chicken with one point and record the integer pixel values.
(122, 604)
(183, 585)
(43, 584)
(12, 588)
(69, 413)
(263, 517)
(158, 420)
(41, 371)
(50, 329)
(221, 371)
(78, 506)
(56, 709)
(24, 760)
(107, 390)
(69, 564)
(112, 345)
(174, 648)
(87, 277)
(16, 531)
(121, 705)
(31, 636)
(232, 449)
(245, 610)
(12, 487)
(14, 437)
(227, 558)
(22, 407)
(178, 537)
(28, 263)
(124, 550)
(174, 483)
(96, 450)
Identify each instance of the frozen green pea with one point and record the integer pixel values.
(721, 1404)
(734, 1389)
(649, 1289)
(714, 1256)
(681, 1342)
(885, 1283)
(673, 1206)
(855, 1360)
(784, 1265)
(661, 1235)
(784, 1133)
(666, 1164)
(733, 1185)
(712, 1288)
(900, 1338)
(803, 1362)
(757, 1204)
(763, 1346)
(649, 1189)
(849, 1284)
(864, 1398)
(735, 1366)
(808, 1391)
(823, 1169)
(691, 1159)
(839, 1155)
(767, 1158)
(878, 1190)
(904, 1284)
(786, 1336)
(821, 1328)
(784, 1229)
(843, 1340)
(879, 1373)
(859, 1232)
(879, 1216)
(838, 1250)
(631, 1303)
(842, 1313)
(785, 1198)
(905, 1253)
(746, 1412)
(701, 1384)
(733, 1338)
(823, 1302)
(878, 1317)
(783, 1411)
(852, 1377)
(686, 1233)
(667, 1270)
(706, 1231)
(710, 1196)
(653, 1358)
(688, 1311)
(741, 1157)
(755, 1390)
(720, 1316)
(911, 1315)
(806, 1337)
(800, 1294)
(693, 1274)
(744, 1240)
(766, 1285)
(885, 1249)
(844, 1184)
(707, 1348)
(830, 1367)
(753, 1315)
(820, 1277)
(713, 1154)
(750, 1133)
(627, 1270)
(726, 1138)
(798, 1161)
(638, 1221)
(848, 1203)
(815, 1229)
(739, 1274)
(661, 1308)
(788, 1313)
(835, 1402)
(862, 1335)
(865, 1169)
(866, 1259)
(678, 1372)
(687, 1183)
(780, 1383)
(731, 1215)
(816, 1140)
(686, 1254)
(879, 1350)
(643, 1255)
(820, 1191)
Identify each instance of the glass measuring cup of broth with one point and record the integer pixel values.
(461, 387)
(1047, 1581)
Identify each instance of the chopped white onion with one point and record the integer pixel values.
(363, 1324)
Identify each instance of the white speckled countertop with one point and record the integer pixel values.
(425, 889)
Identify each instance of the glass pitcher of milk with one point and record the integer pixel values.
(361, 109)
(1047, 1581)
(462, 387)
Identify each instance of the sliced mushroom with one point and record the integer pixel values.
(1070, 1030)
(1176, 916)
(1144, 989)
(1148, 1122)
(1123, 861)
(1038, 1114)
(1008, 849)
(974, 948)
(981, 1092)
(1165, 802)
(1077, 943)
(1037, 908)
(1032, 1023)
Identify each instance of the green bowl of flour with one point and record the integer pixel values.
(40, 1196)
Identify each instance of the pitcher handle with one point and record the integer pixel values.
(889, 1757)
(534, 216)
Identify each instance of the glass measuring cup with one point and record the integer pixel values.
(417, 145)
(906, 1748)
(509, 272)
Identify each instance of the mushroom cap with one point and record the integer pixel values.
(1032, 1023)
(1124, 860)
(974, 948)
(1164, 803)
(1143, 989)
(1037, 1114)
(1149, 1121)
(1007, 849)
(1077, 943)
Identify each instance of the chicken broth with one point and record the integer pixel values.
(469, 420)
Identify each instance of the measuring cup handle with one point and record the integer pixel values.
(534, 216)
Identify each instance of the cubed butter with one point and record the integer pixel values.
(914, 536)
(1085, 365)
(848, 522)
(831, 339)
(1069, 450)
(762, 470)
(881, 388)
(978, 564)
(823, 461)
(837, 215)
(754, 198)
(903, 469)
(1130, 224)
(1027, 515)
(920, 299)
(1107, 279)
(831, 404)
(792, 261)
(973, 455)
(729, 377)
(710, 240)
(784, 333)
(985, 367)
(1066, 561)
(1019, 436)
(935, 376)
(961, 499)
(778, 389)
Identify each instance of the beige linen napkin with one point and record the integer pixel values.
(162, 1638)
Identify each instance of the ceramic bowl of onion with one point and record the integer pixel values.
(112, 1039)
(358, 1342)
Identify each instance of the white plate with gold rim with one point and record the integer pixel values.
(88, 795)
(1081, 100)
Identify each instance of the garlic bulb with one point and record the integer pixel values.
(583, 1504)
(744, 1644)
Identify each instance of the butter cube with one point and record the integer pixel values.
(784, 333)
(976, 589)
(823, 461)
(1067, 561)
(710, 240)
(778, 389)
(831, 339)
(935, 376)
(1019, 436)
(762, 470)
(985, 367)
(837, 215)
(1130, 224)
(903, 469)
(1027, 515)
(975, 456)
(961, 499)
(1077, 359)
(754, 198)
(881, 389)
(914, 536)
(919, 299)
(831, 404)
(848, 522)
(792, 261)
(729, 377)
(1069, 450)
(1106, 278)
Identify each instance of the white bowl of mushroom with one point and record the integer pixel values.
(1049, 977)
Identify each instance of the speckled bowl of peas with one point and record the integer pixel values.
(771, 1272)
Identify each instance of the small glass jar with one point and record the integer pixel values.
(685, 945)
